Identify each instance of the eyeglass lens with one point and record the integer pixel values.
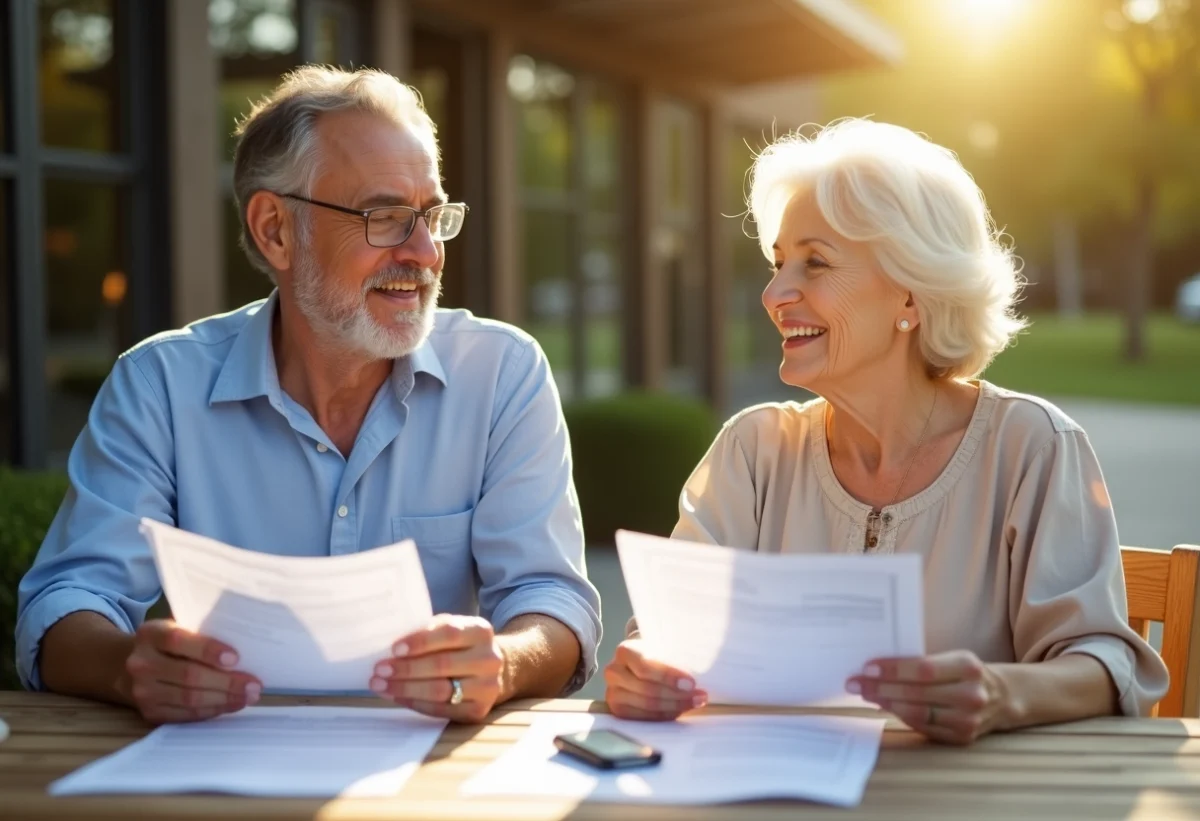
(392, 226)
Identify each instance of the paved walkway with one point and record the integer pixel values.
(1151, 462)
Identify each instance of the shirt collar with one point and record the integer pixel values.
(249, 370)
(425, 360)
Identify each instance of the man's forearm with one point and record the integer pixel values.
(540, 656)
(1067, 688)
(83, 654)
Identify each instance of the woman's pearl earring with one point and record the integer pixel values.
(904, 324)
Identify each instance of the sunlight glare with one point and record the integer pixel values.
(990, 11)
(1142, 11)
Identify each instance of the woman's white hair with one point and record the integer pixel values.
(925, 220)
(277, 141)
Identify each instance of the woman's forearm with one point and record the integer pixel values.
(1067, 688)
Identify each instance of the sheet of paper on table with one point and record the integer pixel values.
(309, 624)
(706, 760)
(310, 752)
(757, 628)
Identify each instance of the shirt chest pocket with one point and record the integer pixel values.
(435, 534)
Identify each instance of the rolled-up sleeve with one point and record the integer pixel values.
(1067, 588)
(527, 532)
(93, 557)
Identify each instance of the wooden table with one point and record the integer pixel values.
(1098, 769)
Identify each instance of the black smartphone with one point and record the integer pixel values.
(607, 749)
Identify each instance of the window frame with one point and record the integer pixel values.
(139, 171)
(585, 221)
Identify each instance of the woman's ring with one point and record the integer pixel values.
(456, 693)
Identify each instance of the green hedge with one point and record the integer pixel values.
(632, 454)
(28, 502)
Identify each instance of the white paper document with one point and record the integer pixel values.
(297, 623)
(705, 760)
(311, 752)
(757, 628)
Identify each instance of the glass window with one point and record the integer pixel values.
(676, 244)
(548, 278)
(684, 307)
(327, 40)
(602, 160)
(4, 118)
(335, 34)
(432, 82)
(243, 282)
(543, 93)
(601, 269)
(6, 387)
(86, 306)
(569, 151)
(679, 135)
(79, 76)
(257, 41)
(602, 263)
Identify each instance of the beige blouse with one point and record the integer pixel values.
(1018, 536)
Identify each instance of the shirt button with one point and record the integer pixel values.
(887, 518)
(321, 447)
(872, 542)
(343, 511)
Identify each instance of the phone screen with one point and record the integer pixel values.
(608, 748)
(610, 744)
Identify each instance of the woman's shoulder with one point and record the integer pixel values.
(1025, 420)
(769, 426)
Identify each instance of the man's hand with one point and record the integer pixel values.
(176, 675)
(418, 676)
(950, 697)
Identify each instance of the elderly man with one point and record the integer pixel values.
(341, 414)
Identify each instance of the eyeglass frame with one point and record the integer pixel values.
(365, 214)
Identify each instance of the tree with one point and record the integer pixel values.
(1157, 44)
(1047, 111)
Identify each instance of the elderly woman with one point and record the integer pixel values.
(892, 293)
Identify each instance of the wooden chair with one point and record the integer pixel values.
(1164, 587)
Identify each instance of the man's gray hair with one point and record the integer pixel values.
(277, 140)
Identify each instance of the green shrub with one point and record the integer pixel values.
(632, 454)
(28, 502)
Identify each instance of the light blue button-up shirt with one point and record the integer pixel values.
(464, 450)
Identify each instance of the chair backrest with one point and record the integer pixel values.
(1163, 587)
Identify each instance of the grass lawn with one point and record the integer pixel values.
(1082, 358)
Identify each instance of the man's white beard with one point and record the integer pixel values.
(343, 318)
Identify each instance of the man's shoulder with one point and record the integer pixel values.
(463, 339)
(463, 326)
(205, 341)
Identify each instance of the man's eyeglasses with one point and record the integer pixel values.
(392, 225)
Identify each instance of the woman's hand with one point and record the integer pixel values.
(950, 697)
(641, 688)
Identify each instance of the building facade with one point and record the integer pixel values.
(601, 145)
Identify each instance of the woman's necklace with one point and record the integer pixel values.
(871, 540)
